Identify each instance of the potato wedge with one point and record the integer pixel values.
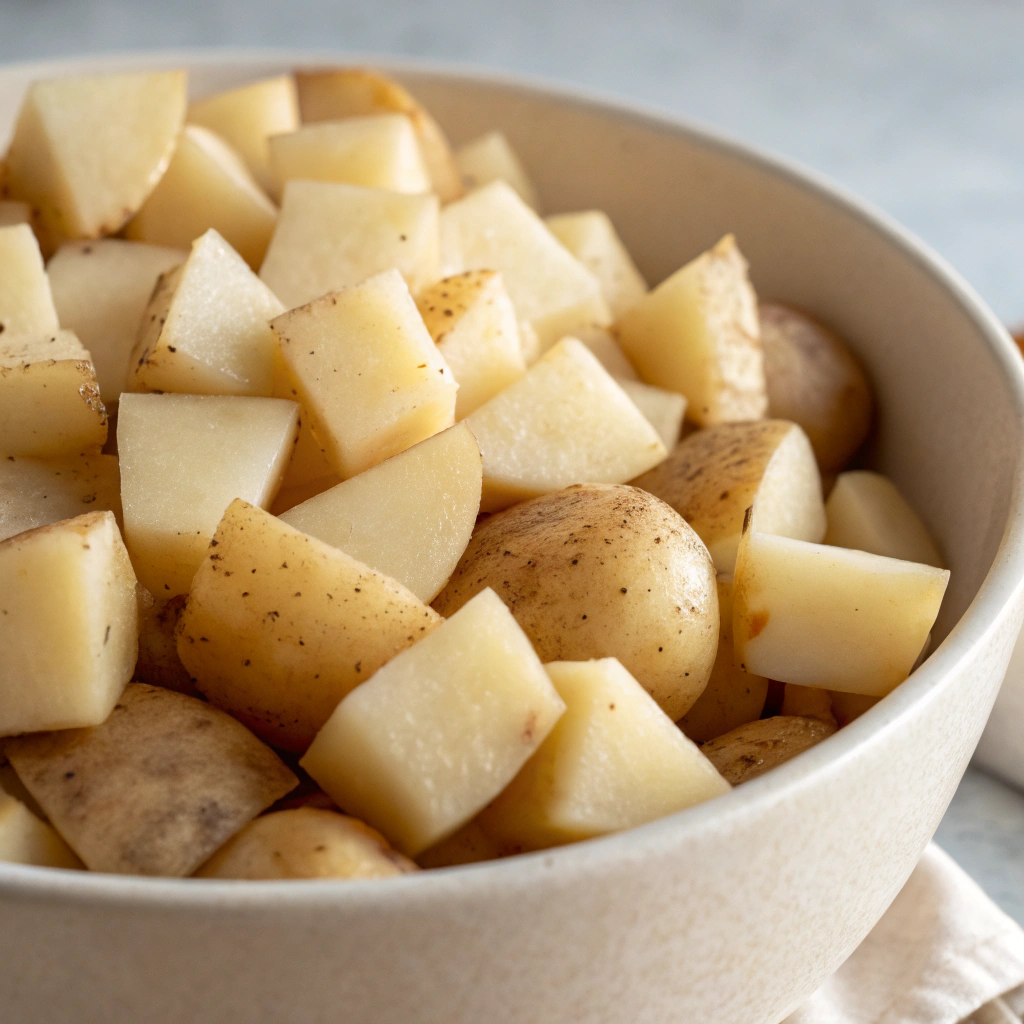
(664, 410)
(24, 839)
(158, 663)
(470, 845)
(491, 158)
(609, 353)
(26, 302)
(755, 748)
(808, 702)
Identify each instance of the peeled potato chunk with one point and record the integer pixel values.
(598, 572)
(755, 748)
(477, 689)
(493, 229)
(613, 761)
(206, 329)
(470, 845)
(409, 517)
(609, 353)
(716, 474)
(88, 150)
(279, 626)
(26, 303)
(100, 290)
(155, 789)
(24, 839)
(184, 459)
(664, 410)
(867, 512)
(491, 158)
(566, 422)
(367, 372)
(697, 333)
(68, 624)
(306, 842)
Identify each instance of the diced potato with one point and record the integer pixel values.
(715, 475)
(26, 303)
(37, 492)
(476, 688)
(755, 748)
(367, 372)
(592, 239)
(815, 380)
(158, 663)
(353, 92)
(470, 845)
(602, 572)
(664, 410)
(279, 626)
(409, 517)
(306, 843)
(24, 839)
(493, 229)
(206, 329)
(184, 459)
(866, 511)
(207, 186)
(473, 322)
(246, 118)
(609, 353)
(13, 212)
(68, 624)
(846, 707)
(331, 235)
(88, 150)
(614, 760)
(101, 289)
(491, 158)
(155, 789)
(822, 616)
(807, 702)
(697, 333)
(565, 422)
(12, 786)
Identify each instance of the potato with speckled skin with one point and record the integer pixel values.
(155, 789)
(597, 571)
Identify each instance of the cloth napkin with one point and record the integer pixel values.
(944, 953)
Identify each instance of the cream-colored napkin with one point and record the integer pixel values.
(943, 953)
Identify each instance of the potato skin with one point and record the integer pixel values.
(597, 571)
(753, 749)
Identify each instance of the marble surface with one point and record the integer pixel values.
(914, 105)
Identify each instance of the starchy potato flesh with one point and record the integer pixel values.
(697, 333)
(807, 702)
(155, 789)
(100, 291)
(866, 511)
(716, 474)
(37, 492)
(331, 235)
(306, 842)
(664, 410)
(206, 186)
(609, 353)
(12, 212)
(493, 229)
(473, 323)
(279, 626)
(88, 150)
(409, 517)
(822, 616)
(26, 303)
(565, 422)
(206, 329)
(491, 158)
(68, 624)
(24, 839)
(613, 761)
(755, 748)
(470, 845)
(184, 459)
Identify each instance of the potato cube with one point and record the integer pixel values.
(807, 702)
(26, 303)
(158, 662)
(609, 353)
(470, 845)
(664, 410)
(491, 158)
(753, 749)
(24, 839)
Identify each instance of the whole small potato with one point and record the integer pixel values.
(755, 748)
(602, 571)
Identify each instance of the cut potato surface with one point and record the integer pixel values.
(609, 353)
(755, 748)
(26, 303)
(477, 689)
(491, 158)
(664, 410)
(24, 839)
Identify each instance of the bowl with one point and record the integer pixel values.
(733, 911)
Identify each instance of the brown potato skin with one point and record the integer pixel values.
(159, 664)
(753, 749)
(597, 571)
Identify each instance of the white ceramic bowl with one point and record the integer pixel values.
(730, 912)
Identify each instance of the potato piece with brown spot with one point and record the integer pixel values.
(755, 748)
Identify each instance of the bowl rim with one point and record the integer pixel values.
(994, 598)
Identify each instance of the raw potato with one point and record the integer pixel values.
(184, 459)
(664, 410)
(609, 353)
(716, 474)
(815, 380)
(88, 150)
(493, 229)
(491, 158)
(808, 702)
(367, 372)
(207, 186)
(26, 303)
(155, 789)
(597, 572)
(306, 843)
(476, 688)
(24, 839)
(565, 422)
(331, 235)
(753, 749)
(613, 761)
(473, 323)
(206, 329)
(68, 624)
(470, 845)
(158, 663)
(409, 517)
(697, 333)
(100, 290)
(279, 626)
